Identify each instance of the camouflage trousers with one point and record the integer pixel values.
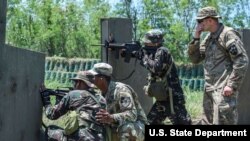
(219, 109)
(56, 133)
(162, 109)
(130, 131)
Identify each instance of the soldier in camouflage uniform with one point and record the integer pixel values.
(225, 65)
(170, 102)
(124, 116)
(86, 102)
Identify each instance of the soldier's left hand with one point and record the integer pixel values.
(104, 117)
(227, 91)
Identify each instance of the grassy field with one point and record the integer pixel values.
(193, 104)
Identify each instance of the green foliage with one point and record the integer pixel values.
(56, 27)
(177, 18)
(69, 28)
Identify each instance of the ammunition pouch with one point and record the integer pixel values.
(157, 89)
(71, 124)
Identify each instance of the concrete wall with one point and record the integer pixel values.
(3, 7)
(121, 29)
(21, 73)
(244, 96)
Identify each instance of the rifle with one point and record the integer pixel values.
(59, 92)
(128, 50)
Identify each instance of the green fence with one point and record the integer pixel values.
(191, 76)
(62, 69)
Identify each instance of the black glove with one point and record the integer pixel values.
(45, 95)
(138, 54)
(144, 60)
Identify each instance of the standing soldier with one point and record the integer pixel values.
(124, 114)
(85, 102)
(163, 82)
(225, 65)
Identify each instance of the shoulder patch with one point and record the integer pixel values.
(233, 50)
(125, 101)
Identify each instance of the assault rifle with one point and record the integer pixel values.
(59, 93)
(127, 50)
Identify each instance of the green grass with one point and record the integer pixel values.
(194, 103)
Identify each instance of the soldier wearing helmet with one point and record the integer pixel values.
(163, 82)
(153, 38)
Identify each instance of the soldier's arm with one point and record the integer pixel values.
(127, 108)
(239, 57)
(54, 112)
(194, 51)
(161, 60)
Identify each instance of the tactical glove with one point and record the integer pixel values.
(137, 54)
(144, 61)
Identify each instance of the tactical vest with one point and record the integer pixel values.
(158, 86)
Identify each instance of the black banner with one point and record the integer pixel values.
(197, 132)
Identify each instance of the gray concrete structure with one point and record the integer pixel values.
(21, 74)
(3, 5)
(121, 30)
(244, 96)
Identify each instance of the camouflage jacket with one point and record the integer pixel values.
(123, 104)
(158, 65)
(225, 59)
(81, 101)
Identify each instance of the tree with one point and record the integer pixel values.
(68, 28)
(61, 28)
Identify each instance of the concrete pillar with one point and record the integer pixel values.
(121, 30)
(3, 7)
(244, 96)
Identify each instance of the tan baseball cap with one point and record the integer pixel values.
(86, 77)
(102, 68)
(207, 12)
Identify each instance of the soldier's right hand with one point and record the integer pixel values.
(199, 29)
(138, 54)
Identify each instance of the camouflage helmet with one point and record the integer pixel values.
(153, 36)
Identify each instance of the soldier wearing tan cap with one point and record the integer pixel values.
(225, 65)
(124, 116)
(85, 101)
